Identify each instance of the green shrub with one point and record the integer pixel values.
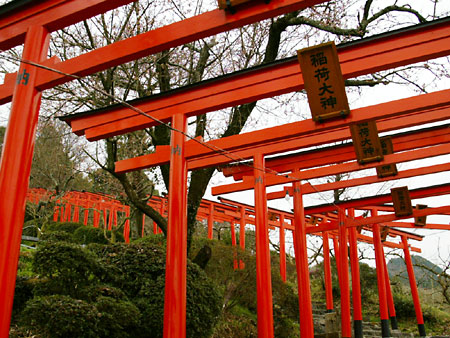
(92, 293)
(22, 293)
(25, 266)
(158, 239)
(68, 267)
(203, 305)
(235, 325)
(57, 236)
(139, 270)
(87, 235)
(119, 318)
(404, 306)
(61, 316)
(69, 227)
(131, 264)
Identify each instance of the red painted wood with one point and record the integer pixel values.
(379, 258)
(302, 264)
(346, 326)
(263, 270)
(412, 281)
(327, 272)
(15, 168)
(176, 253)
(282, 249)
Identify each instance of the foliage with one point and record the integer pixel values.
(235, 324)
(69, 227)
(87, 235)
(158, 240)
(118, 284)
(67, 267)
(119, 318)
(22, 293)
(368, 278)
(139, 271)
(25, 262)
(61, 316)
(404, 309)
(57, 236)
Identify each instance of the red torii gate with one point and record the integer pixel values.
(434, 48)
(116, 121)
(71, 204)
(31, 25)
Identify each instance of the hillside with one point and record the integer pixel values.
(424, 270)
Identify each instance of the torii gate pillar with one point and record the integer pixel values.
(176, 255)
(282, 249)
(327, 272)
(263, 271)
(344, 279)
(301, 261)
(356, 284)
(15, 166)
(384, 313)
(413, 285)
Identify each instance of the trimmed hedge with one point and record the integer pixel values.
(122, 286)
(61, 316)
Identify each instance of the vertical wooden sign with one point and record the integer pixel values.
(386, 149)
(420, 221)
(402, 201)
(324, 82)
(366, 142)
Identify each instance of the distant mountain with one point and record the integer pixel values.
(424, 270)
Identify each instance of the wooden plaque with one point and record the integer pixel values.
(422, 220)
(366, 142)
(324, 82)
(402, 201)
(387, 149)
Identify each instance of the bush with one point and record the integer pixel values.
(57, 236)
(92, 293)
(119, 318)
(69, 227)
(404, 306)
(235, 325)
(61, 316)
(158, 240)
(22, 294)
(203, 305)
(67, 266)
(139, 270)
(87, 235)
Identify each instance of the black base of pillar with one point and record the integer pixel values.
(394, 324)
(357, 326)
(329, 311)
(422, 332)
(385, 331)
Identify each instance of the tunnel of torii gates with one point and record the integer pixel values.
(30, 24)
